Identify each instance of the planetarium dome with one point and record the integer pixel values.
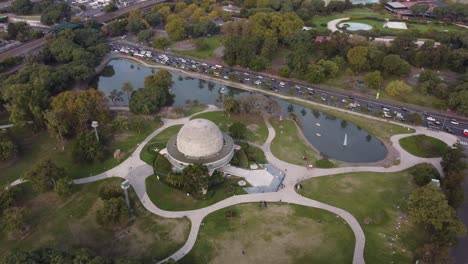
(199, 138)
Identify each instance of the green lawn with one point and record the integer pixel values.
(384, 130)
(424, 146)
(70, 223)
(257, 130)
(168, 198)
(289, 146)
(378, 201)
(279, 233)
(213, 43)
(159, 141)
(37, 147)
(180, 112)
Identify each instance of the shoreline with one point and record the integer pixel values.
(392, 153)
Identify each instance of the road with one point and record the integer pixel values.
(356, 103)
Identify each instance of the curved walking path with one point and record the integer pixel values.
(136, 171)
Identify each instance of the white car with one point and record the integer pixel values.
(430, 118)
(453, 121)
(282, 83)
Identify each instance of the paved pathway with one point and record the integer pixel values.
(136, 171)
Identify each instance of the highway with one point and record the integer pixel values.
(358, 103)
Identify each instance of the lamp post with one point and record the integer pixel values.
(125, 185)
(95, 124)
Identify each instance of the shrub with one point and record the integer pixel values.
(109, 191)
(284, 71)
(423, 173)
(113, 211)
(8, 148)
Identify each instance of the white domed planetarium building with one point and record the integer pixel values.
(200, 141)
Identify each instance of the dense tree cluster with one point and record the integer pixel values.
(20, 31)
(252, 43)
(194, 180)
(452, 11)
(153, 95)
(454, 165)
(69, 56)
(51, 12)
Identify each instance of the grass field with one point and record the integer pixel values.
(171, 199)
(257, 130)
(277, 234)
(213, 43)
(424, 146)
(159, 141)
(289, 146)
(70, 223)
(180, 112)
(34, 148)
(378, 201)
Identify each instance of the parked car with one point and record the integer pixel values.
(448, 129)
(454, 121)
(465, 132)
(430, 118)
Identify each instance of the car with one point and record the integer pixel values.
(454, 121)
(430, 118)
(386, 115)
(405, 109)
(437, 122)
(323, 98)
(226, 77)
(282, 83)
(385, 109)
(465, 132)
(448, 129)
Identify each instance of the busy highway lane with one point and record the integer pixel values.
(369, 105)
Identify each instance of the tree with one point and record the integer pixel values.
(238, 130)
(423, 174)
(459, 101)
(393, 64)
(76, 109)
(357, 58)
(230, 105)
(8, 148)
(398, 88)
(155, 94)
(145, 35)
(315, 73)
(111, 7)
(21, 7)
(373, 80)
(14, 219)
(283, 71)
(429, 207)
(452, 160)
(414, 118)
(175, 28)
(113, 211)
(87, 148)
(56, 128)
(127, 88)
(44, 175)
(195, 180)
(63, 186)
(136, 22)
(115, 96)
(161, 42)
(330, 67)
(419, 10)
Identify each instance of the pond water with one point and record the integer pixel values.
(354, 26)
(326, 133)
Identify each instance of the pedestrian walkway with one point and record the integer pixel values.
(282, 174)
